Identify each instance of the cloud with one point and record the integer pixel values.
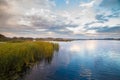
(114, 29)
(111, 22)
(44, 17)
(101, 18)
(88, 5)
(41, 30)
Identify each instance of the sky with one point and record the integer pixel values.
(60, 18)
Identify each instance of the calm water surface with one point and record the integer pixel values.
(80, 60)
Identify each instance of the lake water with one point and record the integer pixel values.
(80, 60)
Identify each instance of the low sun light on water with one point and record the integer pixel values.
(89, 45)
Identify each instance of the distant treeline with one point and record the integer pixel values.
(101, 39)
(19, 39)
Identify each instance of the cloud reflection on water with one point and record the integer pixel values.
(84, 45)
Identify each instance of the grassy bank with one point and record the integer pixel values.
(15, 58)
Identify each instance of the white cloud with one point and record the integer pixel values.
(40, 30)
(91, 4)
(8, 34)
(110, 23)
(77, 30)
(91, 32)
(113, 22)
(24, 22)
(88, 5)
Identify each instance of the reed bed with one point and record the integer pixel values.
(15, 58)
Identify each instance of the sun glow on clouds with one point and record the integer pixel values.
(91, 32)
(46, 18)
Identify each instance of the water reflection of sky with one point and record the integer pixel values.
(81, 60)
(81, 46)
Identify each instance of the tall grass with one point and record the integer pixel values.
(15, 58)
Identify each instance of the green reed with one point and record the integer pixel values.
(15, 58)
